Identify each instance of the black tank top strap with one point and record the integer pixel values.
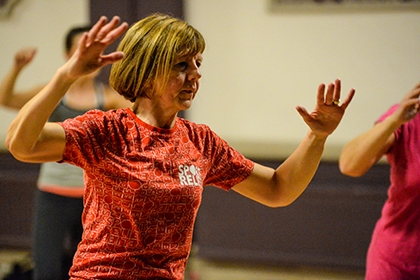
(62, 111)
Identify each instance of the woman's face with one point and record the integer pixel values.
(74, 44)
(183, 83)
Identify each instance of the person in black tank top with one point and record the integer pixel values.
(57, 219)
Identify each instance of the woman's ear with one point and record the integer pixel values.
(148, 91)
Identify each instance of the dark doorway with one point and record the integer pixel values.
(131, 11)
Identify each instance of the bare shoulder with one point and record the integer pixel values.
(113, 100)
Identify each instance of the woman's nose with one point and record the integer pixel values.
(195, 74)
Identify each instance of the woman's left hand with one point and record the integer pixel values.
(328, 112)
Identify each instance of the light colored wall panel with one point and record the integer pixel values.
(260, 64)
(41, 24)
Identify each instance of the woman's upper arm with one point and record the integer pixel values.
(49, 146)
(260, 186)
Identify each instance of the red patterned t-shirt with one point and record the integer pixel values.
(143, 190)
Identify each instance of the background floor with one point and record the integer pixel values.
(199, 269)
(207, 270)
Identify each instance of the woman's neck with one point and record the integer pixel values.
(153, 114)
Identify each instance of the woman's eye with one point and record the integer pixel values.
(181, 65)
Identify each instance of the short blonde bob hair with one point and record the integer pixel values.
(151, 46)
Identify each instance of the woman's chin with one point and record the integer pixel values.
(185, 104)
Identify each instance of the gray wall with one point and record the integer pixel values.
(41, 24)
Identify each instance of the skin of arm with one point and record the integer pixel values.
(282, 186)
(361, 153)
(8, 96)
(30, 137)
(114, 100)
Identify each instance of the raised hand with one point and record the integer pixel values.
(409, 106)
(23, 57)
(326, 116)
(89, 55)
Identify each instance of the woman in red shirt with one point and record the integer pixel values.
(145, 168)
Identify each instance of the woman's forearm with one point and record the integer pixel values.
(297, 171)
(7, 85)
(360, 154)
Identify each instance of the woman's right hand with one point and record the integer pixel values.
(409, 106)
(23, 57)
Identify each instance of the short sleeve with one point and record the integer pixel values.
(229, 167)
(83, 138)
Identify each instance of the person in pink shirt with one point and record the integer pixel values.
(394, 251)
(145, 168)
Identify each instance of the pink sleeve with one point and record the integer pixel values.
(387, 113)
